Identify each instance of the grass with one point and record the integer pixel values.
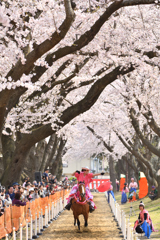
(153, 207)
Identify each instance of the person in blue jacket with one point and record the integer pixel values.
(110, 191)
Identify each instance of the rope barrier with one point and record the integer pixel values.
(120, 218)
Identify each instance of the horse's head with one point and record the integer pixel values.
(82, 189)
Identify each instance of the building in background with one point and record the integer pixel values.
(96, 164)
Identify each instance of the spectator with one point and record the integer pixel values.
(23, 197)
(1, 204)
(25, 180)
(28, 186)
(51, 189)
(110, 192)
(31, 191)
(41, 192)
(16, 201)
(11, 192)
(35, 194)
(28, 183)
(153, 194)
(3, 193)
(7, 200)
(45, 175)
(55, 179)
(35, 183)
(15, 187)
(52, 179)
(47, 191)
(49, 176)
(117, 185)
(124, 195)
(132, 190)
(144, 222)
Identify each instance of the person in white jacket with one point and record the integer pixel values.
(7, 200)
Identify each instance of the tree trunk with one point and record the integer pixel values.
(158, 188)
(29, 167)
(39, 152)
(47, 152)
(112, 172)
(8, 148)
(120, 168)
(132, 168)
(58, 157)
(14, 170)
(50, 159)
(59, 170)
(33, 160)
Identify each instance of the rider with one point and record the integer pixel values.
(86, 177)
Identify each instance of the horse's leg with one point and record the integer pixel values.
(78, 222)
(86, 222)
(74, 221)
(75, 218)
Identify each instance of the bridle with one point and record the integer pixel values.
(81, 195)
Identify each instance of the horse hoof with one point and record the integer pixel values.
(85, 229)
(79, 231)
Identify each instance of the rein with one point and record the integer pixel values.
(81, 203)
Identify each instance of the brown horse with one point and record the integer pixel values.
(80, 206)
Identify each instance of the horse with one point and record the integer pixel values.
(80, 205)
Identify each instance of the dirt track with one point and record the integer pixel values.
(101, 224)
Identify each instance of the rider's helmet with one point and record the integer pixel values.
(85, 169)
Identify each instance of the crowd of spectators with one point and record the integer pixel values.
(19, 194)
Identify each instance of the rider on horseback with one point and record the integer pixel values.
(86, 177)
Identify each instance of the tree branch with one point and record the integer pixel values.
(138, 156)
(110, 149)
(149, 117)
(145, 141)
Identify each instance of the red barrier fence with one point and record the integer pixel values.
(14, 216)
(96, 182)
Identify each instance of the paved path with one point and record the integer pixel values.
(101, 224)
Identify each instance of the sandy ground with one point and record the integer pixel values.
(101, 224)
